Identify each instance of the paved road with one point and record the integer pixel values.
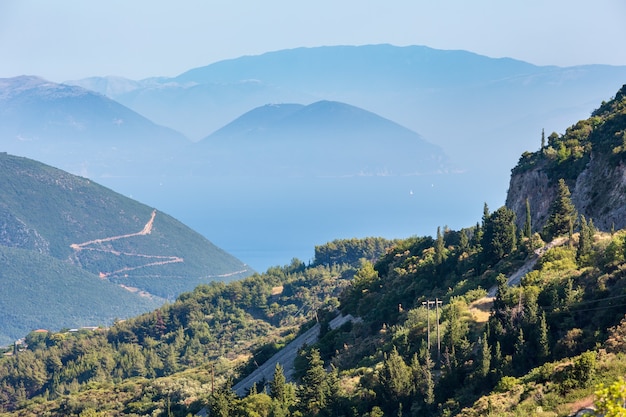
(286, 356)
(516, 277)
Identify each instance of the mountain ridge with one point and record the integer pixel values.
(91, 231)
(325, 138)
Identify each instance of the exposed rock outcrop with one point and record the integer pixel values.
(598, 193)
(591, 157)
(535, 185)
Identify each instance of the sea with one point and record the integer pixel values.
(268, 222)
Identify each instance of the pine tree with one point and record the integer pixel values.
(519, 355)
(543, 138)
(332, 393)
(277, 385)
(485, 214)
(497, 361)
(396, 378)
(499, 236)
(562, 214)
(422, 368)
(311, 392)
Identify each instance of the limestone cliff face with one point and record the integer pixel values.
(536, 186)
(598, 193)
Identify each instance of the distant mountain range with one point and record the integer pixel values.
(80, 130)
(88, 133)
(459, 100)
(480, 112)
(322, 139)
(76, 253)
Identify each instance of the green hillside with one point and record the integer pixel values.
(493, 319)
(91, 231)
(43, 292)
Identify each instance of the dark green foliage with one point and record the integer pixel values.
(199, 327)
(51, 216)
(396, 382)
(528, 228)
(312, 393)
(499, 235)
(562, 214)
(351, 251)
(381, 364)
(43, 292)
(439, 248)
(585, 241)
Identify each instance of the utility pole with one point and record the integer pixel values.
(437, 302)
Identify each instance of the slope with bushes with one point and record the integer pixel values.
(423, 346)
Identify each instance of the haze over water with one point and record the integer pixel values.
(267, 221)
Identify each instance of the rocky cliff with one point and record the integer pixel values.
(591, 157)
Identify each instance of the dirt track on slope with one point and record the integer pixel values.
(151, 260)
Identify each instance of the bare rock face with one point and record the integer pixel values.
(598, 193)
(536, 186)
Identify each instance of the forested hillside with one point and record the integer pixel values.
(80, 254)
(445, 328)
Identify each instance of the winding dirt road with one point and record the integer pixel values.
(151, 260)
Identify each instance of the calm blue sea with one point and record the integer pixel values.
(266, 222)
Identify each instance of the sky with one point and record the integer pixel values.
(72, 39)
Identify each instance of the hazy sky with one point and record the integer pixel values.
(71, 39)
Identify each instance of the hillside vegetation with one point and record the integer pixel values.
(589, 158)
(91, 232)
(429, 341)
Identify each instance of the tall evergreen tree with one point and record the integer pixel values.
(463, 241)
(528, 229)
(439, 248)
(585, 239)
(277, 385)
(396, 380)
(499, 236)
(544, 342)
(311, 394)
(484, 358)
(562, 213)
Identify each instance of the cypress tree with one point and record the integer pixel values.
(484, 359)
(543, 342)
(585, 237)
(528, 223)
(499, 236)
(439, 248)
